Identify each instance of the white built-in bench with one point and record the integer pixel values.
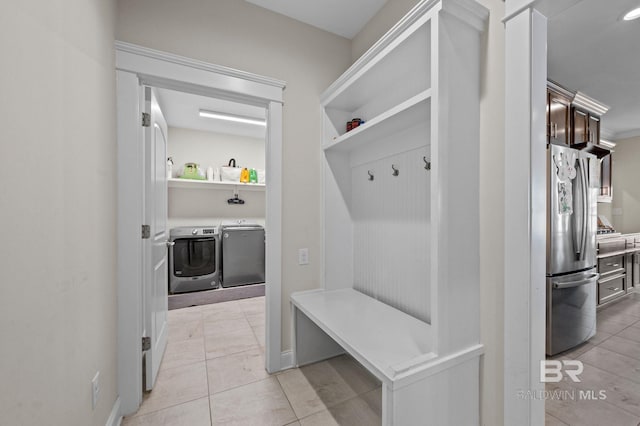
(388, 342)
(394, 346)
(399, 193)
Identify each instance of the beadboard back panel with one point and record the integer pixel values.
(391, 231)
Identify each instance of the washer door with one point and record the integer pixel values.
(193, 257)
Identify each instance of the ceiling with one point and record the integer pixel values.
(344, 18)
(592, 50)
(182, 110)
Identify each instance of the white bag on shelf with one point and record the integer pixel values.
(230, 173)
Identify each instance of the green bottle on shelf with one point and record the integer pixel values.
(253, 176)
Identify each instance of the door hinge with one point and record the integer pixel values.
(146, 232)
(146, 343)
(146, 119)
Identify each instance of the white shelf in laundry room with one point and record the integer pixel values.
(205, 184)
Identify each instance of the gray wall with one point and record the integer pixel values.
(237, 34)
(243, 36)
(58, 197)
(626, 186)
(492, 232)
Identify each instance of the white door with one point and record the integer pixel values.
(155, 247)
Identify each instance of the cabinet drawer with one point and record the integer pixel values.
(610, 264)
(611, 245)
(611, 288)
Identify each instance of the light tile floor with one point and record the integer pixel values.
(213, 374)
(611, 364)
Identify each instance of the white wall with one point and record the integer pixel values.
(208, 207)
(58, 197)
(213, 149)
(626, 186)
(243, 36)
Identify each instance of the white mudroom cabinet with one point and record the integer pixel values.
(401, 215)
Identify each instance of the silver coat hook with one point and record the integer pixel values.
(427, 163)
(370, 174)
(395, 171)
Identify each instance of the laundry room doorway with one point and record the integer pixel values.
(137, 67)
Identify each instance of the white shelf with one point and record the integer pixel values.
(410, 112)
(205, 184)
(382, 71)
(398, 343)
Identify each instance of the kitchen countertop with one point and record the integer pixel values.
(617, 235)
(611, 235)
(632, 242)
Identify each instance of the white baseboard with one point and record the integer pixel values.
(115, 418)
(286, 360)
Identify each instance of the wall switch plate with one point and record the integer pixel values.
(95, 390)
(617, 211)
(303, 256)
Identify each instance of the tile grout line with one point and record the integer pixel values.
(288, 400)
(611, 317)
(610, 402)
(210, 395)
(206, 370)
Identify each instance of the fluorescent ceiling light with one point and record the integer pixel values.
(634, 14)
(231, 117)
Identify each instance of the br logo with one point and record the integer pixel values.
(552, 371)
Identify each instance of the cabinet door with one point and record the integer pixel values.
(594, 129)
(606, 189)
(580, 129)
(558, 110)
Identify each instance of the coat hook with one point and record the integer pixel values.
(370, 174)
(395, 171)
(427, 163)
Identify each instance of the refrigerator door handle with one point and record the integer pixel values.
(584, 192)
(570, 284)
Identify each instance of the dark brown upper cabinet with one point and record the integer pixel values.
(606, 187)
(558, 118)
(585, 127)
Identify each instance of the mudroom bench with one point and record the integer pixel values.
(394, 346)
(400, 167)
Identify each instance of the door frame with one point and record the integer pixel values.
(525, 206)
(136, 65)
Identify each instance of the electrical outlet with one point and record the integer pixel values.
(95, 390)
(303, 256)
(617, 211)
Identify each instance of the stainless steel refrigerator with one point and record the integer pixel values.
(571, 247)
